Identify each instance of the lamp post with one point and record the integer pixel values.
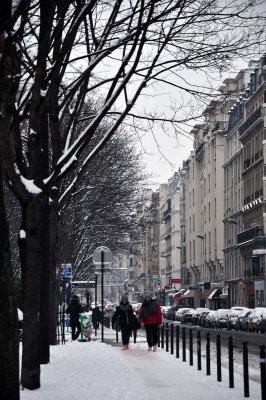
(101, 256)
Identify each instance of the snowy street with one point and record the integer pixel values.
(100, 371)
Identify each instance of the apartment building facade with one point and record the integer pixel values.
(204, 207)
(251, 239)
(171, 235)
(233, 173)
(211, 214)
(144, 248)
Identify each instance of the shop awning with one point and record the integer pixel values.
(177, 296)
(189, 293)
(215, 294)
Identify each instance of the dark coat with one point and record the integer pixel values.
(96, 315)
(122, 315)
(74, 309)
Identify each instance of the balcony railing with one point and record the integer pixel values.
(167, 213)
(251, 120)
(249, 234)
(199, 151)
(259, 245)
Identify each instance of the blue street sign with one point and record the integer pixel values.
(66, 270)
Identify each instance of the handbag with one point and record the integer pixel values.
(134, 323)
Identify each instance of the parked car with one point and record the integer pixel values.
(180, 312)
(245, 320)
(165, 310)
(196, 315)
(262, 321)
(233, 315)
(170, 313)
(186, 316)
(221, 318)
(239, 321)
(255, 318)
(210, 319)
(203, 318)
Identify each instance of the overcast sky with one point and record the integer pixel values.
(173, 151)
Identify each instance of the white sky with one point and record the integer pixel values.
(174, 150)
(100, 371)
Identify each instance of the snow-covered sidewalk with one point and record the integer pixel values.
(100, 371)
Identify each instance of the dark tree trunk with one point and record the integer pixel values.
(53, 259)
(45, 276)
(9, 341)
(31, 263)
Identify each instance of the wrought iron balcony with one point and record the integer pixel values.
(199, 151)
(259, 245)
(251, 120)
(167, 213)
(249, 234)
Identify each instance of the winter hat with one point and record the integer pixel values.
(124, 297)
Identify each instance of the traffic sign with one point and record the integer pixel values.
(66, 270)
(83, 284)
(102, 254)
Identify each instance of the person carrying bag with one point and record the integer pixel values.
(123, 314)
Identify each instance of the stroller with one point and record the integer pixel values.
(86, 326)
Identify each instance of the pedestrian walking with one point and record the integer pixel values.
(150, 315)
(122, 317)
(96, 317)
(74, 309)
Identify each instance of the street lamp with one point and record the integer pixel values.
(102, 256)
(200, 236)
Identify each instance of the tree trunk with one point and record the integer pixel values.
(53, 259)
(31, 263)
(9, 341)
(46, 266)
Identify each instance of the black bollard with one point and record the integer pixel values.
(172, 338)
(190, 347)
(218, 352)
(177, 341)
(208, 354)
(231, 361)
(162, 337)
(116, 333)
(167, 337)
(199, 349)
(262, 372)
(245, 369)
(184, 343)
(135, 336)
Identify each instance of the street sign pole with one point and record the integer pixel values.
(102, 271)
(102, 256)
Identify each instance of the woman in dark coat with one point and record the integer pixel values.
(74, 309)
(96, 317)
(122, 316)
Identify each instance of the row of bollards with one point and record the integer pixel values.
(173, 332)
